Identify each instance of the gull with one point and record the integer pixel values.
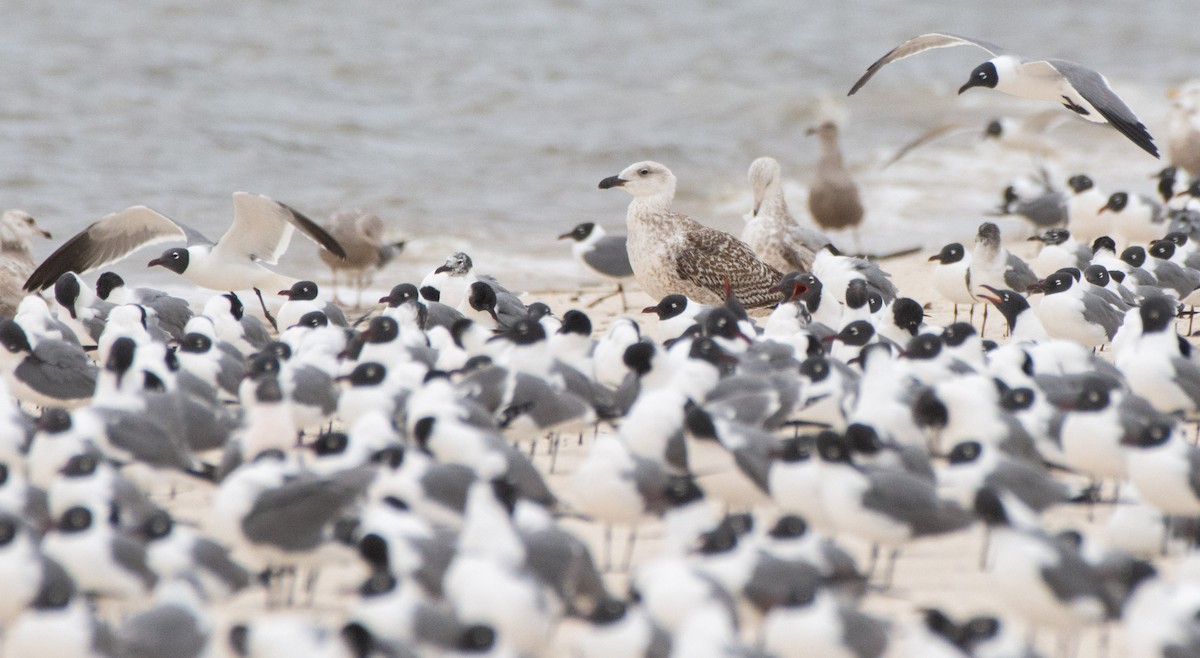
(17, 227)
(771, 231)
(673, 253)
(602, 253)
(261, 231)
(1183, 128)
(361, 234)
(1078, 88)
(833, 196)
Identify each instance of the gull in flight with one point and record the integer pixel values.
(261, 231)
(1078, 88)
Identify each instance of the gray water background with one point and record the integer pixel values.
(485, 127)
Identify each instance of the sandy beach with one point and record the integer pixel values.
(942, 572)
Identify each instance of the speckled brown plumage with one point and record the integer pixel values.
(672, 253)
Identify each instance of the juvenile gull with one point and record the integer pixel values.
(833, 196)
(1079, 89)
(673, 253)
(261, 231)
(16, 263)
(778, 239)
(361, 234)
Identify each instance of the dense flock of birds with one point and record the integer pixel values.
(163, 471)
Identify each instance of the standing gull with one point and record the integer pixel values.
(361, 234)
(778, 239)
(673, 253)
(1079, 89)
(261, 231)
(602, 253)
(16, 263)
(833, 196)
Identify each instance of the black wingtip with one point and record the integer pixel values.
(314, 231)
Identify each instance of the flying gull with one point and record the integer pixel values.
(1078, 88)
(673, 253)
(261, 231)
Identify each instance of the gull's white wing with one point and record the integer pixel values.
(262, 229)
(107, 241)
(919, 45)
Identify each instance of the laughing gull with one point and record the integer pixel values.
(172, 313)
(59, 621)
(261, 231)
(1165, 468)
(17, 227)
(1058, 250)
(449, 282)
(771, 231)
(833, 196)
(672, 253)
(813, 623)
(1153, 366)
(302, 298)
(1084, 219)
(52, 374)
(101, 560)
(361, 234)
(1035, 199)
(85, 314)
(174, 550)
(952, 277)
(1044, 581)
(881, 507)
(1136, 219)
(1072, 313)
(1079, 89)
(601, 253)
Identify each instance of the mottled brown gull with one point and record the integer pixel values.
(17, 228)
(362, 235)
(673, 253)
(833, 196)
(778, 239)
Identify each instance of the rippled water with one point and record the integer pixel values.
(485, 127)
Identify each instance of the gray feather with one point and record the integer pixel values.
(164, 631)
(610, 257)
(293, 517)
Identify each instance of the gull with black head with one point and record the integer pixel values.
(261, 231)
(1078, 88)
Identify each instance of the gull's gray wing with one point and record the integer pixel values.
(1094, 88)
(293, 517)
(1187, 377)
(107, 241)
(1100, 312)
(932, 135)
(1017, 274)
(214, 558)
(59, 370)
(164, 630)
(610, 256)
(131, 555)
(919, 45)
(1071, 578)
(262, 229)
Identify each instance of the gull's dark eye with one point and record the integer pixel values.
(643, 171)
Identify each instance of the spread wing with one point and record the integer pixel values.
(919, 45)
(107, 241)
(1094, 89)
(262, 230)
